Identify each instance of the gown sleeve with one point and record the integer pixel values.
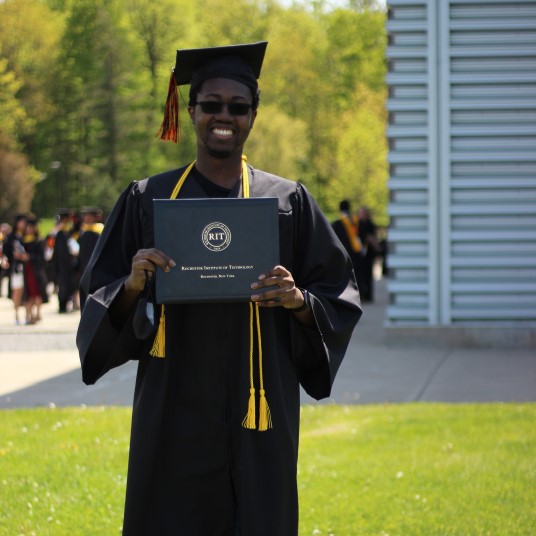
(101, 344)
(325, 270)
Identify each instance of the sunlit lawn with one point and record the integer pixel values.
(408, 470)
(420, 469)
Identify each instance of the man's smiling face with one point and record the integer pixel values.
(222, 134)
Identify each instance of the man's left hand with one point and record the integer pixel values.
(286, 294)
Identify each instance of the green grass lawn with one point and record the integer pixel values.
(396, 470)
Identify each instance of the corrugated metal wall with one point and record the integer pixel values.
(462, 135)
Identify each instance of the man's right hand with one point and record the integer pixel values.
(144, 266)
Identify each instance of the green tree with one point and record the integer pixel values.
(233, 21)
(17, 177)
(154, 26)
(97, 96)
(288, 148)
(362, 156)
(92, 79)
(357, 72)
(30, 54)
(14, 116)
(294, 79)
(26, 58)
(357, 41)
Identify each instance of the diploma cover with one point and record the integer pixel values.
(220, 246)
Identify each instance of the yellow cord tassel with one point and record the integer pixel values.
(265, 417)
(159, 344)
(250, 419)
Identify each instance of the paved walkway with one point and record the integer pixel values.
(39, 366)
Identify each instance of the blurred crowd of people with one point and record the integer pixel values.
(37, 267)
(364, 243)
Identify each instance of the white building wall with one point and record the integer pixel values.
(462, 138)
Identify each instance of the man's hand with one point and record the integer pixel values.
(144, 266)
(286, 294)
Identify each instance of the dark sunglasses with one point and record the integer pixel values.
(216, 107)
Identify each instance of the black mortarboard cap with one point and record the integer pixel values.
(63, 213)
(90, 210)
(241, 63)
(238, 62)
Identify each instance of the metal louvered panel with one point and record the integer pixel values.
(462, 139)
(410, 157)
(496, 155)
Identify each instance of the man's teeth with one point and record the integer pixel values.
(222, 132)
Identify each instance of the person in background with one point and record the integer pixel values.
(215, 427)
(75, 232)
(35, 278)
(16, 257)
(347, 230)
(5, 229)
(64, 259)
(368, 237)
(383, 250)
(91, 230)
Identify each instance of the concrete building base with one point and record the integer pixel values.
(513, 337)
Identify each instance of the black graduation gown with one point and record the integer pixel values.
(358, 259)
(64, 268)
(367, 229)
(36, 250)
(193, 469)
(87, 241)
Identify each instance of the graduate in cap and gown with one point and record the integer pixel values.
(347, 230)
(215, 425)
(64, 250)
(90, 232)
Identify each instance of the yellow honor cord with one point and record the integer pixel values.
(250, 420)
(352, 232)
(265, 417)
(159, 344)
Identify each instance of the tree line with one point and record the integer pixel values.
(83, 85)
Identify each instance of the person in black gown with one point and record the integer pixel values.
(202, 462)
(90, 231)
(347, 230)
(64, 259)
(368, 237)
